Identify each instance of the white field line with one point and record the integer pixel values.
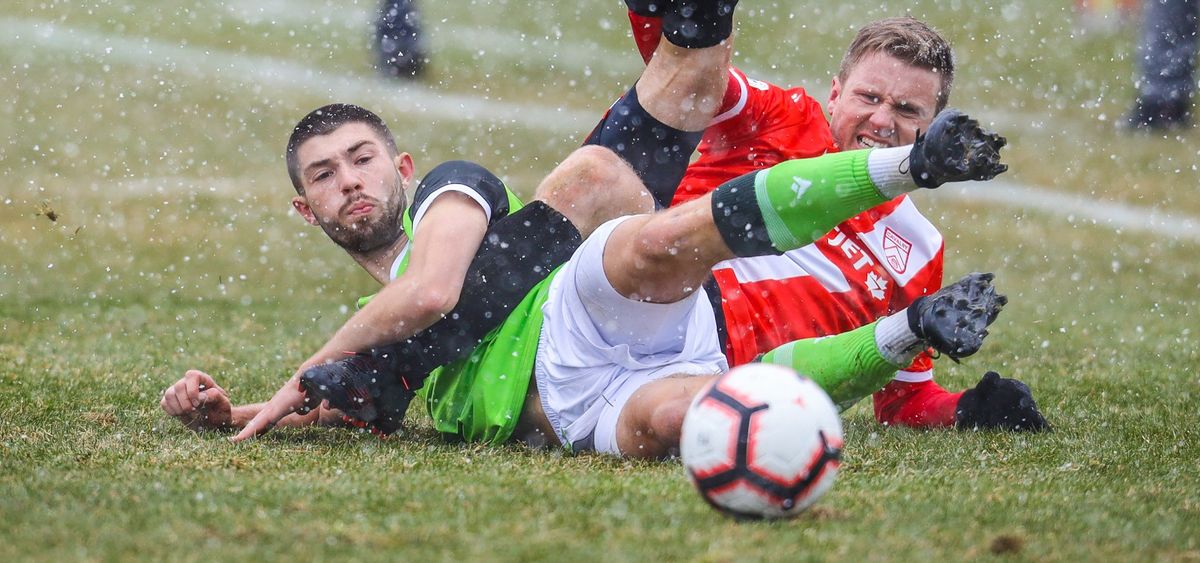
(1077, 209)
(172, 186)
(22, 38)
(358, 19)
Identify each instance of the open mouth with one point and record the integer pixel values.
(867, 142)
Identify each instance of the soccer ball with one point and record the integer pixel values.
(761, 442)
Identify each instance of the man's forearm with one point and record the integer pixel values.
(394, 315)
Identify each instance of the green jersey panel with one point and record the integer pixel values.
(480, 398)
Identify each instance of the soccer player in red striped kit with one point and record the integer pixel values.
(895, 77)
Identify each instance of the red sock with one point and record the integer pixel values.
(924, 404)
(647, 32)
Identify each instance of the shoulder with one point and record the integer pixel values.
(758, 109)
(468, 178)
(463, 175)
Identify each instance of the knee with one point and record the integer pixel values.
(595, 164)
(594, 185)
(583, 173)
(666, 423)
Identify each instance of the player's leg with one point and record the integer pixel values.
(1166, 66)
(848, 366)
(658, 124)
(591, 186)
(854, 364)
(598, 348)
(651, 421)
(994, 403)
(398, 44)
(666, 256)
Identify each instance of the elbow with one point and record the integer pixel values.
(435, 302)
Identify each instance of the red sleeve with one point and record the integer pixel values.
(759, 125)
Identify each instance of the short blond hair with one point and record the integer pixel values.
(909, 40)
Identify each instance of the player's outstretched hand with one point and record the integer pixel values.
(955, 149)
(287, 400)
(198, 402)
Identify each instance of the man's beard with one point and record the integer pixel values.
(368, 233)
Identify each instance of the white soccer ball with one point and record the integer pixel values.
(762, 442)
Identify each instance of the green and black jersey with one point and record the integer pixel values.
(480, 397)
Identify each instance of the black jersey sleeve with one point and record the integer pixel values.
(465, 177)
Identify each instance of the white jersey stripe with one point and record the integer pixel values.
(461, 188)
(739, 106)
(914, 376)
(802, 262)
(915, 230)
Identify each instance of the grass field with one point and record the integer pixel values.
(154, 130)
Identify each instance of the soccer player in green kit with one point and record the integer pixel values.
(350, 179)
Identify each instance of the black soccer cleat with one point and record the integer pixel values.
(997, 403)
(955, 149)
(954, 320)
(368, 394)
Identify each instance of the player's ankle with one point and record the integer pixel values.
(895, 339)
(888, 168)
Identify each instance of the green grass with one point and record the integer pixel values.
(175, 248)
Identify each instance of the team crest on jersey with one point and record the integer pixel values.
(896, 250)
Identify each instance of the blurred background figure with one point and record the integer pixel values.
(1105, 15)
(399, 49)
(1166, 66)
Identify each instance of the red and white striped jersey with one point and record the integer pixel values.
(872, 265)
(759, 126)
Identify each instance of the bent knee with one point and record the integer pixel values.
(594, 185)
(589, 169)
(658, 245)
(595, 163)
(666, 423)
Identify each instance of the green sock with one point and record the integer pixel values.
(793, 203)
(848, 366)
(801, 200)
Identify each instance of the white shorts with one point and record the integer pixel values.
(598, 347)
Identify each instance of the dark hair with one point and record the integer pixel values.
(325, 120)
(909, 40)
